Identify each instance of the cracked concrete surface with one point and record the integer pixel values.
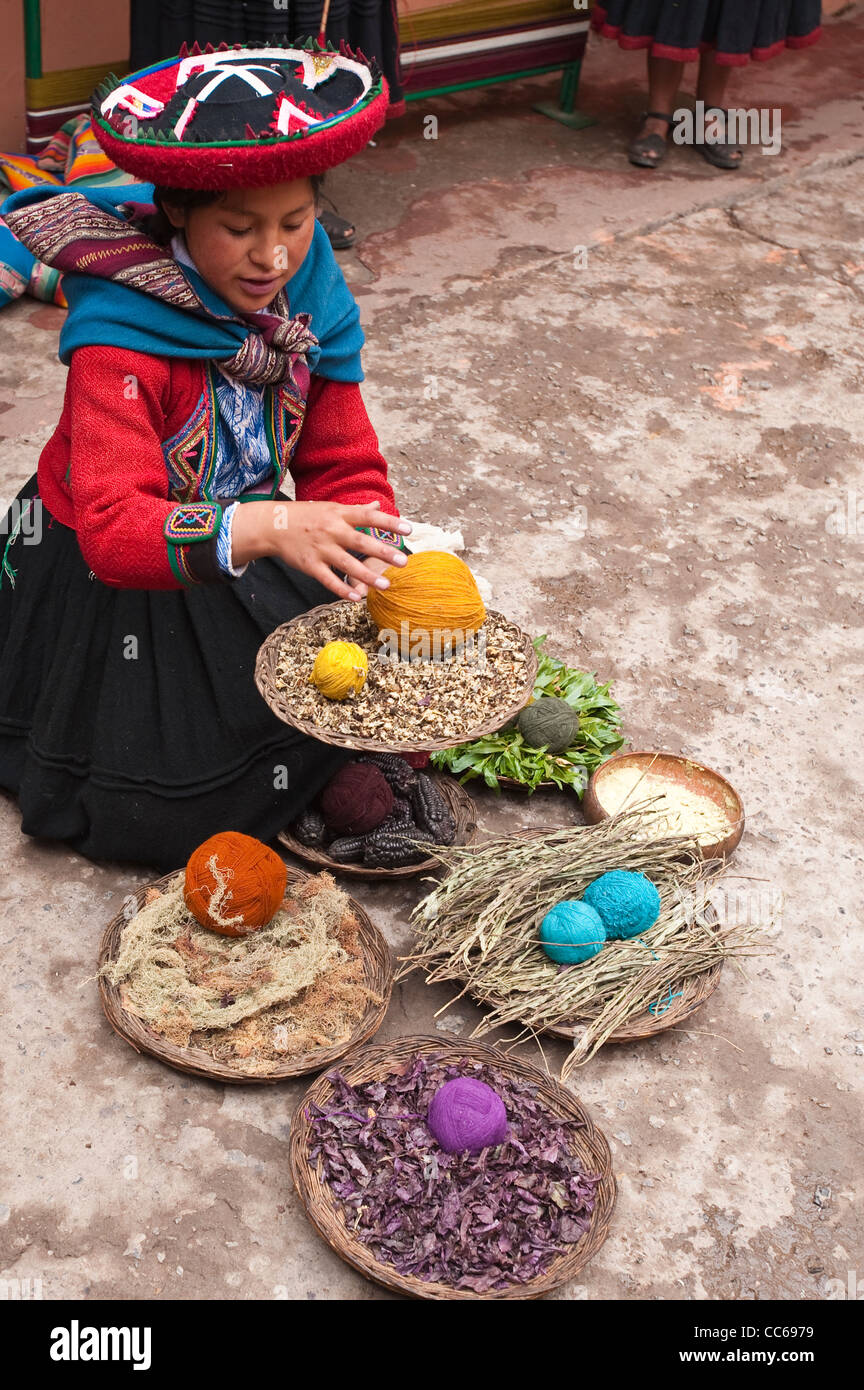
(693, 380)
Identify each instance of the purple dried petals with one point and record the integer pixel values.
(481, 1222)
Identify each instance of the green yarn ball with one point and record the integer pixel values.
(550, 722)
(572, 932)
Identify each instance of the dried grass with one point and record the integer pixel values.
(480, 926)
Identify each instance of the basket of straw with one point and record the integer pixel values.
(479, 927)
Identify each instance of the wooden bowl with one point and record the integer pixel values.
(380, 1059)
(378, 972)
(464, 813)
(677, 771)
(266, 681)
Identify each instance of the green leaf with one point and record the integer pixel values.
(506, 754)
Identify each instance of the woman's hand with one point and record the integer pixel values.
(317, 537)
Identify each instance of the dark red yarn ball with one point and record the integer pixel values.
(357, 799)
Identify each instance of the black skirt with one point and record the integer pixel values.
(737, 30)
(130, 724)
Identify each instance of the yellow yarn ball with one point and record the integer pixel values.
(340, 669)
(433, 594)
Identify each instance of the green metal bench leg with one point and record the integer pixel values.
(565, 111)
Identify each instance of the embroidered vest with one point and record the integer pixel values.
(191, 455)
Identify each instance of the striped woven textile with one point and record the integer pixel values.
(72, 156)
(443, 43)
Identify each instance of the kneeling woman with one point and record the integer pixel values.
(214, 360)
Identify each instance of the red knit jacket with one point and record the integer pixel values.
(103, 471)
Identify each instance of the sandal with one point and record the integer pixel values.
(723, 154)
(648, 150)
(340, 232)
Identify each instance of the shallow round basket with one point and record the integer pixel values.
(378, 970)
(694, 992)
(265, 679)
(678, 771)
(461, 808)
(510, 784)
(381, 1059)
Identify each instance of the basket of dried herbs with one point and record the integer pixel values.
(514, 1220)
(405, 705)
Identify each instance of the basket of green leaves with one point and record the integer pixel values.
(544, 746)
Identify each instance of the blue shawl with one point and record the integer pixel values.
(102, 311)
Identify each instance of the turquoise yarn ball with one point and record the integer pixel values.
(572, 932)
(628, 903)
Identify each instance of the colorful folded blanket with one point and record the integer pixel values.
(72, 157)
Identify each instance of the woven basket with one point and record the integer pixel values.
(378, 968)
(380, 1059)
(694, 991)
(265, 679)
(461, 807)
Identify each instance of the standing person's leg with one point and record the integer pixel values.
(664, 80)
(711, 88)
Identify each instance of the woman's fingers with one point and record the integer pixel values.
(370, 514)
(371, 547)
(331, 581)
(347, 564)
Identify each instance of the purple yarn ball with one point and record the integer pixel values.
(467, 1114)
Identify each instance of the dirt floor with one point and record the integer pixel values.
(675, 358)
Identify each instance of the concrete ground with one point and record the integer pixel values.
(680, 354)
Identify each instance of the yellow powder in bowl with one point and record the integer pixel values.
(685, 812)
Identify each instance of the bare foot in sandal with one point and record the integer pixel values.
(649, 146)
(340, 231)
(722, 153)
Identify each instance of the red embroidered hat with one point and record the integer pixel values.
(241, 116)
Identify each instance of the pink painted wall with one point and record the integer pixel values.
(81, 34)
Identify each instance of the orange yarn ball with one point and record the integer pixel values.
(433, 594)
(234, 883)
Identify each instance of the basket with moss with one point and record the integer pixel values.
(288, 998)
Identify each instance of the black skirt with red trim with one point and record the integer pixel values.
(737, 30)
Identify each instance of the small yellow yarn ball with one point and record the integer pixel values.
(433, 594)
(340, 669)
